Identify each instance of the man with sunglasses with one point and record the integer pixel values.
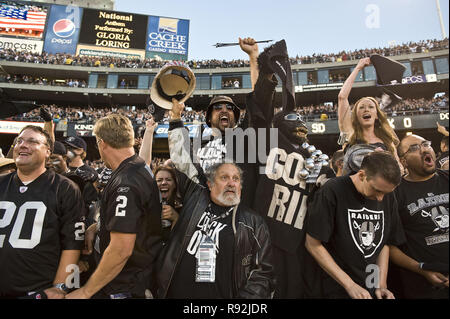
(423, 208)
(41, 225)
(222, 117)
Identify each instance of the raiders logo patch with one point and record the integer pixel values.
(367, 229)
(23, 189)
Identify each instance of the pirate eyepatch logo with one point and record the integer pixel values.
(367, 229)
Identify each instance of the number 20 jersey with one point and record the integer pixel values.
(37, 222)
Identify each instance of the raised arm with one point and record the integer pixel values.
(344, 111)
(48, 122)
(249, 46)
(441, 129)
(147, 141)
(179, 145)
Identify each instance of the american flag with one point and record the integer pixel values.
(22, 19)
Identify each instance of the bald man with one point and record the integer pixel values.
(423, 208)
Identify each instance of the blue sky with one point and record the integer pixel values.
(320, 26)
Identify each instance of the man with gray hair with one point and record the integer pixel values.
(218, 248)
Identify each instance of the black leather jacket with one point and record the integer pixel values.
(253, 274)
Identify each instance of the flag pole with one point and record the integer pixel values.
(444, 35)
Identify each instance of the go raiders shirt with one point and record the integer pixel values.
(353, 228)
(37, 222)
(130, 204)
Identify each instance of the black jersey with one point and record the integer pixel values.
(353, 228)
(423, 209)
(130, 203)
(38, 221)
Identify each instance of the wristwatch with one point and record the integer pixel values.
(63, 287)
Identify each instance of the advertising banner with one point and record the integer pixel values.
(163, 129)
(113, 30)
(18, 44)
(92, 50)
(63, 29)
(22, 20)
(167, 37)
(14, 127)
(76, 129)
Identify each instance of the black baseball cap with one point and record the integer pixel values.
(76, 142)
(59, 148)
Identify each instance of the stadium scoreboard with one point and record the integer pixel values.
(52, 28)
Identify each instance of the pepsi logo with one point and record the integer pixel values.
(64, 28)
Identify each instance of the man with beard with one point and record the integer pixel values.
(423, 208)
(284, 182)
(218, 248)
(226, 141)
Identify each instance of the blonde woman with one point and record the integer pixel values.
(365, 125)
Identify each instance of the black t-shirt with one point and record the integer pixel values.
(184, 284)
(353, 228)
(38, 221)
(281, 195)
(130, 204)
(423, 209)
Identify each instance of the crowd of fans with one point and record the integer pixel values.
(418, 106)
(40, 80)
(309, 112)
(402, 49)
(90, 115)
(113, 62)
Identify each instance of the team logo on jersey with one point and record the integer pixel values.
(23, 189)
(64, 28)
(367, 229)
(124, 189)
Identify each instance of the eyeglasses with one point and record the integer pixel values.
(30, 141)
(293, 117)
(415, 147)
(97, 141)
(219, 106)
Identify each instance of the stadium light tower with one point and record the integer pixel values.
(444, 35)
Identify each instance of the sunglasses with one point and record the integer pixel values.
(293, 117)
(219, 106)
(415, 147)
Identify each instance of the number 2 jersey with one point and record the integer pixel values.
(131, 204)
(37, 222)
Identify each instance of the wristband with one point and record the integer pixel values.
(63, 287)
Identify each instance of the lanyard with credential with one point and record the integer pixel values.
(206, 254)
